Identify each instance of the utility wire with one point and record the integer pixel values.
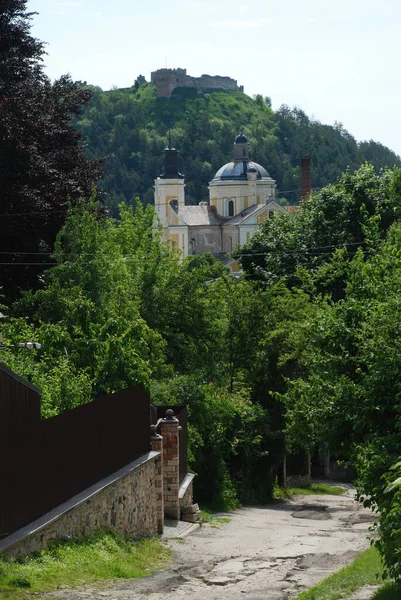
(62, 211)
(173, 259)
(342, 245)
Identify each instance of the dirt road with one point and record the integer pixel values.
(264, 553)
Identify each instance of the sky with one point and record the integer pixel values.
(336, 60)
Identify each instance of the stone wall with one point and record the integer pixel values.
(167, 80)
(126, 501)
(132, 501)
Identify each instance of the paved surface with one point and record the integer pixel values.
(178, 529)
(264, 553)
(365, 593)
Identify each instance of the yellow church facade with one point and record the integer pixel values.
(241, 195)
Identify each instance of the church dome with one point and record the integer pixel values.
(238, 170)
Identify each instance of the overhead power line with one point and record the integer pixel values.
(313, 252)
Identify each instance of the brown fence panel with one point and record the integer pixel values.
(19, 408)
(71, 452)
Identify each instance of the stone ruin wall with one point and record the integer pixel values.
(167, 80)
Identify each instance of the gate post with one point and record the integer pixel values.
(169, 427)
(156, 441)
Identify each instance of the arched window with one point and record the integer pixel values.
(231, 208)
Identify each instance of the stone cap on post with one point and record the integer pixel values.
(153, 433)
(169, 418)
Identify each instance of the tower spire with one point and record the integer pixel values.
(170, 162)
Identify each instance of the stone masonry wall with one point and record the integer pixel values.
(127, 505)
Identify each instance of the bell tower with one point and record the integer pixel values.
(169, 185)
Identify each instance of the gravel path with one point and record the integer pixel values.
(264, 553)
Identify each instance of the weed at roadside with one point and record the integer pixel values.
(216, 522)
(280, 493)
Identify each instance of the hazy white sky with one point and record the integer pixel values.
(337, 60)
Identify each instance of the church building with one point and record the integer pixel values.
(241, 195)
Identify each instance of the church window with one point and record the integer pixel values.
(271, 213)
(231, 208)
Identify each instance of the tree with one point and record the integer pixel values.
(348, 394)
(41, 155)
(355, 212)
(20, 53)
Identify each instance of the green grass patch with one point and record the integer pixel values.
(104, 555)
(280, 493)
(209, 517)
(365, 570)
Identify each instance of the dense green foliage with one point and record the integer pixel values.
(354, 213)
(131, 128)
(311, 351)
(344, 251)
(107, 317)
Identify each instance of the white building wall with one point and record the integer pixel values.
(244, 194)
(165, 191)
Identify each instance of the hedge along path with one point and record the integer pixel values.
(264, 553)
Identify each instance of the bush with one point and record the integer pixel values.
(226, 441)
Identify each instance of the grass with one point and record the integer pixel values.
(209, 517)
(366, 569)
(280, 493)
(101, 556)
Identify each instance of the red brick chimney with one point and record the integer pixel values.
(306, 176)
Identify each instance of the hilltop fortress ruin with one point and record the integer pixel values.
(167, 80)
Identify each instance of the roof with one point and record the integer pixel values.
(204, 214)
(197, 215)
(237, 171)
(252, 210)
(245, 214)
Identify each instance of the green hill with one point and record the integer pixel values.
(130, 127)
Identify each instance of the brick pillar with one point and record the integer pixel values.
(156, 441)
(171, 470)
